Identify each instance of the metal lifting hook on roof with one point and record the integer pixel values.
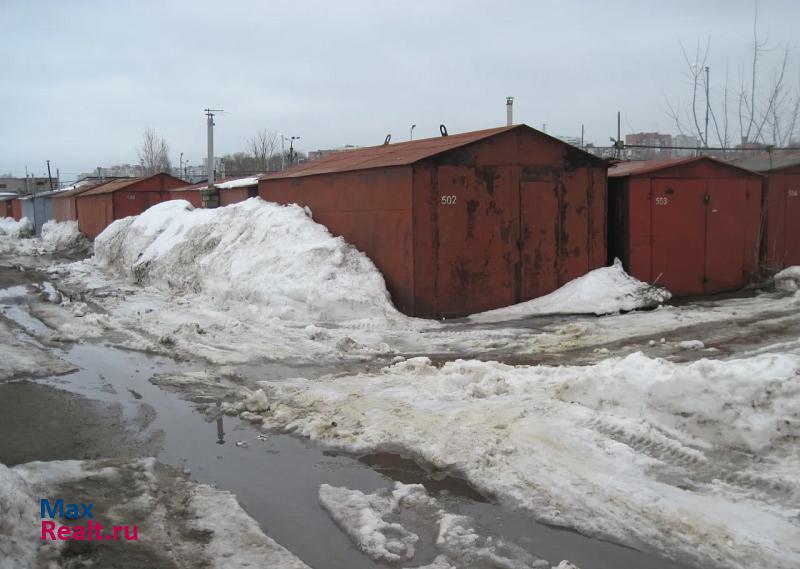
(443, 129)
(387, 139)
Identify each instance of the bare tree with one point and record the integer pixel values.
(768, 108)
(153, 153)
(262, 148)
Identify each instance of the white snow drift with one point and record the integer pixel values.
(602, 291)
(697, 461)
(270, 257)
(63, 236)
(13, 228)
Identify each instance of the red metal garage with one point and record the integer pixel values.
(781, 247)
(462, 223)
(98, 207)
(237, 190)
(64, 208)
(691, 224)
(189, 193)
(6, 207)
(16, 209)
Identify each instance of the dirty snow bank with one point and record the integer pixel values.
(697, 461)
(607, 290)
(180, 523)
(388, 524)
(273, 258)
(788, 279)
(63, 237)
(18, 537)
(13, 228)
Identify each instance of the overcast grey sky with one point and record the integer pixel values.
(82, 79)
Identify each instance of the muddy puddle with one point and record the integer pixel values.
(276, 477)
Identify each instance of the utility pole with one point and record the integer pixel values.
(180, 170)
(283, 152)
(210, 164)
(209, 197)
(708, 107)
(49, 177)
(582, 145)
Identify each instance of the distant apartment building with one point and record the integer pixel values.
(29, 185)
(317, 154)
(573, 140)
(657, 145)
(687, 144)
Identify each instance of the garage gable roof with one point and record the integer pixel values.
(402, 153)
(645, 167)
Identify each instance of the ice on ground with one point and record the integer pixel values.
(236, 539)
(64, 237)
(607, 290)
(13, 228)
(788, 279)
(390, 523)
(696, 461)
(271, 257)
(18, 535)
(361, 517)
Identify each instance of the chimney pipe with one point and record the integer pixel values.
(509, 111)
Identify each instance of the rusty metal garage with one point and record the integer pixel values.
(98, 207)
(782, 232)
(691, 224)
(462, 223)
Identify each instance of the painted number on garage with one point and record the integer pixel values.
(449, 200)
(794, 193)
(662, 201)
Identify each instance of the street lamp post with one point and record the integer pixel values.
(180, 171)
(291, 149)
(291, 140)
(411, 132)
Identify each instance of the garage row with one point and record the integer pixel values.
(469, 222)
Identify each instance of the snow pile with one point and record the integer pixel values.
(64, 236)
(13, 228)
(378, 524)
(240, 183)
(607, 290)
(788, 279)
(361, 517)
(273, 259)
(697, 461)
(18, 521)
